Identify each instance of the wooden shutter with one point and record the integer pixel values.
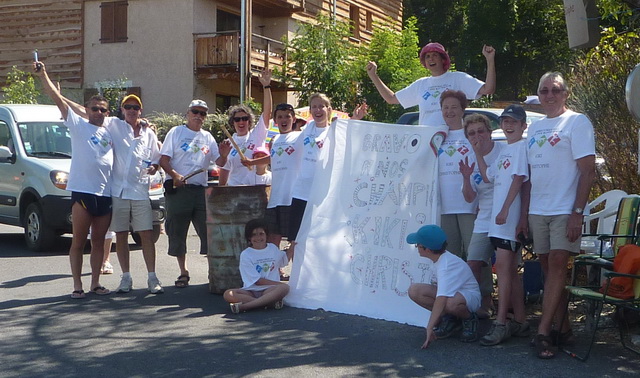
(113, 16)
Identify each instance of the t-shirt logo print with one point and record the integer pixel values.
(505, 164)
(450, 151)
(103, 142)
(289, 150)
(554, 139)
(463, 150)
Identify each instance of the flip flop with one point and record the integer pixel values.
(100, 290)
(182, 281)
(78, 294)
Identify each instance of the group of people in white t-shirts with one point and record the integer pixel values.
(495, 195)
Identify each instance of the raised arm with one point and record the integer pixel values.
(77, 108)
(466, 171)
(265, 80)
(489, 86)
(50, 89)
(387, 94)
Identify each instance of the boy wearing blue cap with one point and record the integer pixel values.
(453, 296)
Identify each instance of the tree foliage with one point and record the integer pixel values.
(530, 38)
(21, 88)
(320, 59)
(396, 55)
(598, 83)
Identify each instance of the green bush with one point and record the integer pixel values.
(598, 83)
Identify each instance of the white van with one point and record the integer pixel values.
(35, 157)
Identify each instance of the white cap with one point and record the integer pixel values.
(199, 104)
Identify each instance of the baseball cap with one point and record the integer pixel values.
(131, 97)
(261, 150)
(436, 47)
(514, 111)
(198, 104)
(429, 236)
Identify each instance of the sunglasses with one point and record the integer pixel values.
(555, 91)
(102, 110)
(131, 106)
(204, 114)
(479, 132)
(243, 118)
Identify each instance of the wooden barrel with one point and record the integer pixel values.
(229, 208)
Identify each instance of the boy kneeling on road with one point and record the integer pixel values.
(454, 296)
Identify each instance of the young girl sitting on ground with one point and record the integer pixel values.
(260, 267)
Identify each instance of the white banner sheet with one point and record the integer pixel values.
(374, 184)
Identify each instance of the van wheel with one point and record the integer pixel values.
(38, 236)
(154, 236)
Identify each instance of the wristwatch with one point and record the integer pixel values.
(578, 210)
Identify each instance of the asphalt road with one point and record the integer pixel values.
(191, 333)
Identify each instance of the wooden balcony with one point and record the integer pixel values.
(219, 53)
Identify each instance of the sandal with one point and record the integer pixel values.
(235, 307)
(100, 290)
(544, 347)
(182, 281)
(78, 294)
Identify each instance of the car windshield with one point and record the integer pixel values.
(46, 139)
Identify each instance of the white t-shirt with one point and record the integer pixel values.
(511, 162)
(426, 92)
(311, 141)
(238, 173)
(189, 151)
(554, 146)
(133, 155)
(261, 263)
(285, 163)
(92, 157)
(453, 275)
(262, 179)
(485, 192)
(454, 148)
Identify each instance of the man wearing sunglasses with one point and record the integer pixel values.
(89, 181)
(136, 159)
(186, 149)
(561, 154)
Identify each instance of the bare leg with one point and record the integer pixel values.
(81, 222)
(423, 294)
(148, 249)
(504, 264)
(182, 264)
(554, 291)
(122, 249)
(107, 250)
(270, 296)
(99, 227)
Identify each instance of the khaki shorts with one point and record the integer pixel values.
(550, 233)
(138, 213)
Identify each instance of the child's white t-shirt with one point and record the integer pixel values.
(453, 275)
(261, 263)
(511, 162)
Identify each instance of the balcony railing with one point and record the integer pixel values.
(220, 50)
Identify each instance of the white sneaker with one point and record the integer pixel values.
(154, 286)
(126, 284)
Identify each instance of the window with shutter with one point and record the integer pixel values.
(113, 16)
